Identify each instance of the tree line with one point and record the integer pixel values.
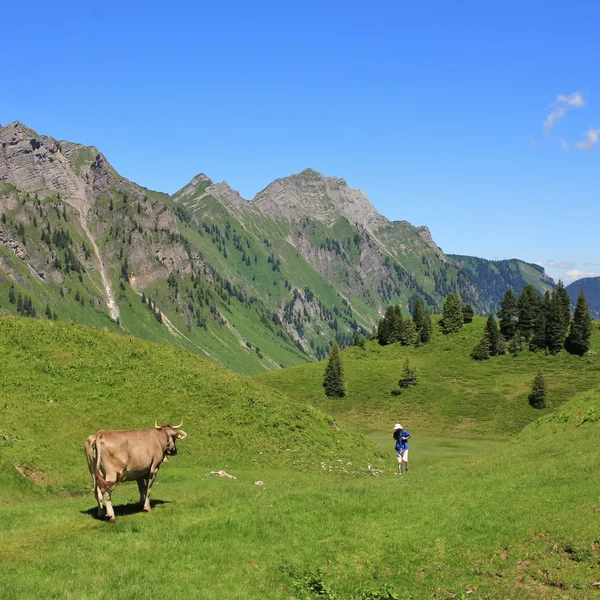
(539, 323)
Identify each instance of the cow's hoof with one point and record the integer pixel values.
(112, 520)
(146, 509)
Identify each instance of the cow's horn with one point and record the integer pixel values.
(156, 425)
(178, 426)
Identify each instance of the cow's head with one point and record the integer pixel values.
(172, 433)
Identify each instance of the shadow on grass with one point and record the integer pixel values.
(122, 510)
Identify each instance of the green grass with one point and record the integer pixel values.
(455, 395)
(475, 517)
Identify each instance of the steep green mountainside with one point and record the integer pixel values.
(252, 285)
(493, 277)
(61, 382)
(591, 289)
(455, 394)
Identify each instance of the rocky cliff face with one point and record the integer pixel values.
(325, 199)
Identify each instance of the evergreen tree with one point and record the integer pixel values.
(143, 296)
(493, 335)
(452, 319)
(408, 333)
(397, 324)
(515, 344)
(537, 396)
(425, 332)
(482, 350)
(508, 315)
(555, 324)
(19, 304)
(11, 294)
(48, 311)
(384, 330)
(468, 313)
(564, 302)
(359, 340)
(409, 375)
(418, 314)
(333, 381)
(539, 339)
(528, 305)
(578, 340)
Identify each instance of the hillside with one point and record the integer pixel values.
(493, 277)
(455, 394)
(520, 516)
(591, 288)
(62, 382)
(250, 284)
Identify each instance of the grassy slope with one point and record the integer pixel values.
(61, 382)
(511, 520)
(455, 394)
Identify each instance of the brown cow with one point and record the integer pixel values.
(114, 456)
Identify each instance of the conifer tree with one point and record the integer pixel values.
(11, 294)
(537, 396)
(397, 325)
(515, 344)
(20, 304)
(426, 329)
(564, 302)
(508, 314)
(418, 314)
(468, 313)
(528, 305)
(452, 319)
(539, 339)
(578, 340)
(482, 350)
(48, 312)
(408, 333)
(409, 375)
(555, 324)
(386, 326)
(493, 335)
(333, 381)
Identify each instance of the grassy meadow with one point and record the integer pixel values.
(495, 513)
(455, 396)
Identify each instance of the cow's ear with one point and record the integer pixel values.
(181, 435)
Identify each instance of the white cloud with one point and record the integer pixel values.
(574, 273)
(592, 138)
(557, 114)
(561, 107)
(574, 99)
(564, 144)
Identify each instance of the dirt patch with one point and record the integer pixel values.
(30, 473)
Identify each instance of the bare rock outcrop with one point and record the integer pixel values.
(325, 199)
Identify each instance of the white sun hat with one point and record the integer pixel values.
(397, 426)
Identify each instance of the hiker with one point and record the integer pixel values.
(401, 436)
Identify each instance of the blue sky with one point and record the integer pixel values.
(477, 119)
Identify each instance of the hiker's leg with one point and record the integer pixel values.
(399, 457)
(405, 460)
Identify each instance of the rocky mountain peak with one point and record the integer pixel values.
(426, 236)
(311, 194)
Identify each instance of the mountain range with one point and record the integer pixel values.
(591, 289)
(252, 284)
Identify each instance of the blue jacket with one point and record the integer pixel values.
(401, 444)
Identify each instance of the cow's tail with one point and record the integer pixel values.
(100, 481)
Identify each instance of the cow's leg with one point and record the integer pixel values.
(142, 486)
(151, 478)
(110, 481)
(98, 495)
